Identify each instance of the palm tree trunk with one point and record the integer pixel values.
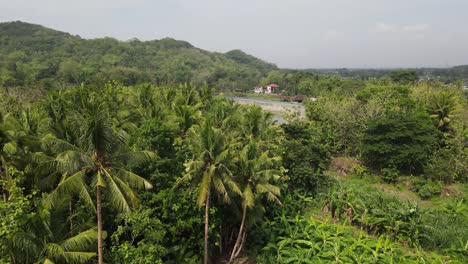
(241, 246)
(237, 246)
(207, 213)
(99, 223)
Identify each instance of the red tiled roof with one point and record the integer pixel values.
(273, 85)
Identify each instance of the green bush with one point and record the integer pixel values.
(390, 175)
(305, 155)
(429, 190)
(403, 140)
(426, 189)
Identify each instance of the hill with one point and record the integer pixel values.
(33, 55)
(443, 74)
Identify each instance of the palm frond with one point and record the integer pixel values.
(58, 145)
(70, 161)
(115, 195)
(69, 185)
(53, 251)
(221, 189)
(78, 257)
(83, 241)
(133, 180)
(128, 192)
(135, 158)
(205, 186)
(25, 244)
(249, 197)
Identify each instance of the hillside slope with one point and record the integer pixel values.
(32, 55)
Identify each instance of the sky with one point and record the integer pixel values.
(288, 33)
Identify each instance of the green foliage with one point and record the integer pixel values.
(257, 176)
(382, 214)
(404, 76)
(139, 239)
(37, 56)
(14, 214)
(449, 228)
(426, 189)
(180, 220)
(377, 213)
(390, 175)
(306, 240)
(402, 140)
(449, 163)
(442, 107)
(306, 154)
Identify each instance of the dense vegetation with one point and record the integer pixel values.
(447, 75)
(118, 172)
(35, 56)
(32, 55)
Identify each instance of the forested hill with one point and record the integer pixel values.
(443, 74)
(33, 55)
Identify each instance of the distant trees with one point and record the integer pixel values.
(404, 76)
(48, 58)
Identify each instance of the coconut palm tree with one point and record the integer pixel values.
(257, 172)
(18, 140)
(257, 166)
(98, 160)
(209, 167)
(45, 239)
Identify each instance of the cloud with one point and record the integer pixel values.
(416, 28)
(332, 34)
(387, 28)
(382, 27)
(69, 5)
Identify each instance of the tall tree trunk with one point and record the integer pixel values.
(99, 223)
(207, 213)
(238, 245)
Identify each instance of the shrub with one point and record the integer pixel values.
(305, 156)
(426, 189)
(429, 190)
(402, 140)
(390, 175)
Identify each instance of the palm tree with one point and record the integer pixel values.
(208, 168)
(257, 171)
(18, 140)
(45, 239)
(257, 166)
(97, 160)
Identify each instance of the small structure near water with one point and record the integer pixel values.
(268, 89)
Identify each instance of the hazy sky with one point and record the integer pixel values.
(289, 33)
